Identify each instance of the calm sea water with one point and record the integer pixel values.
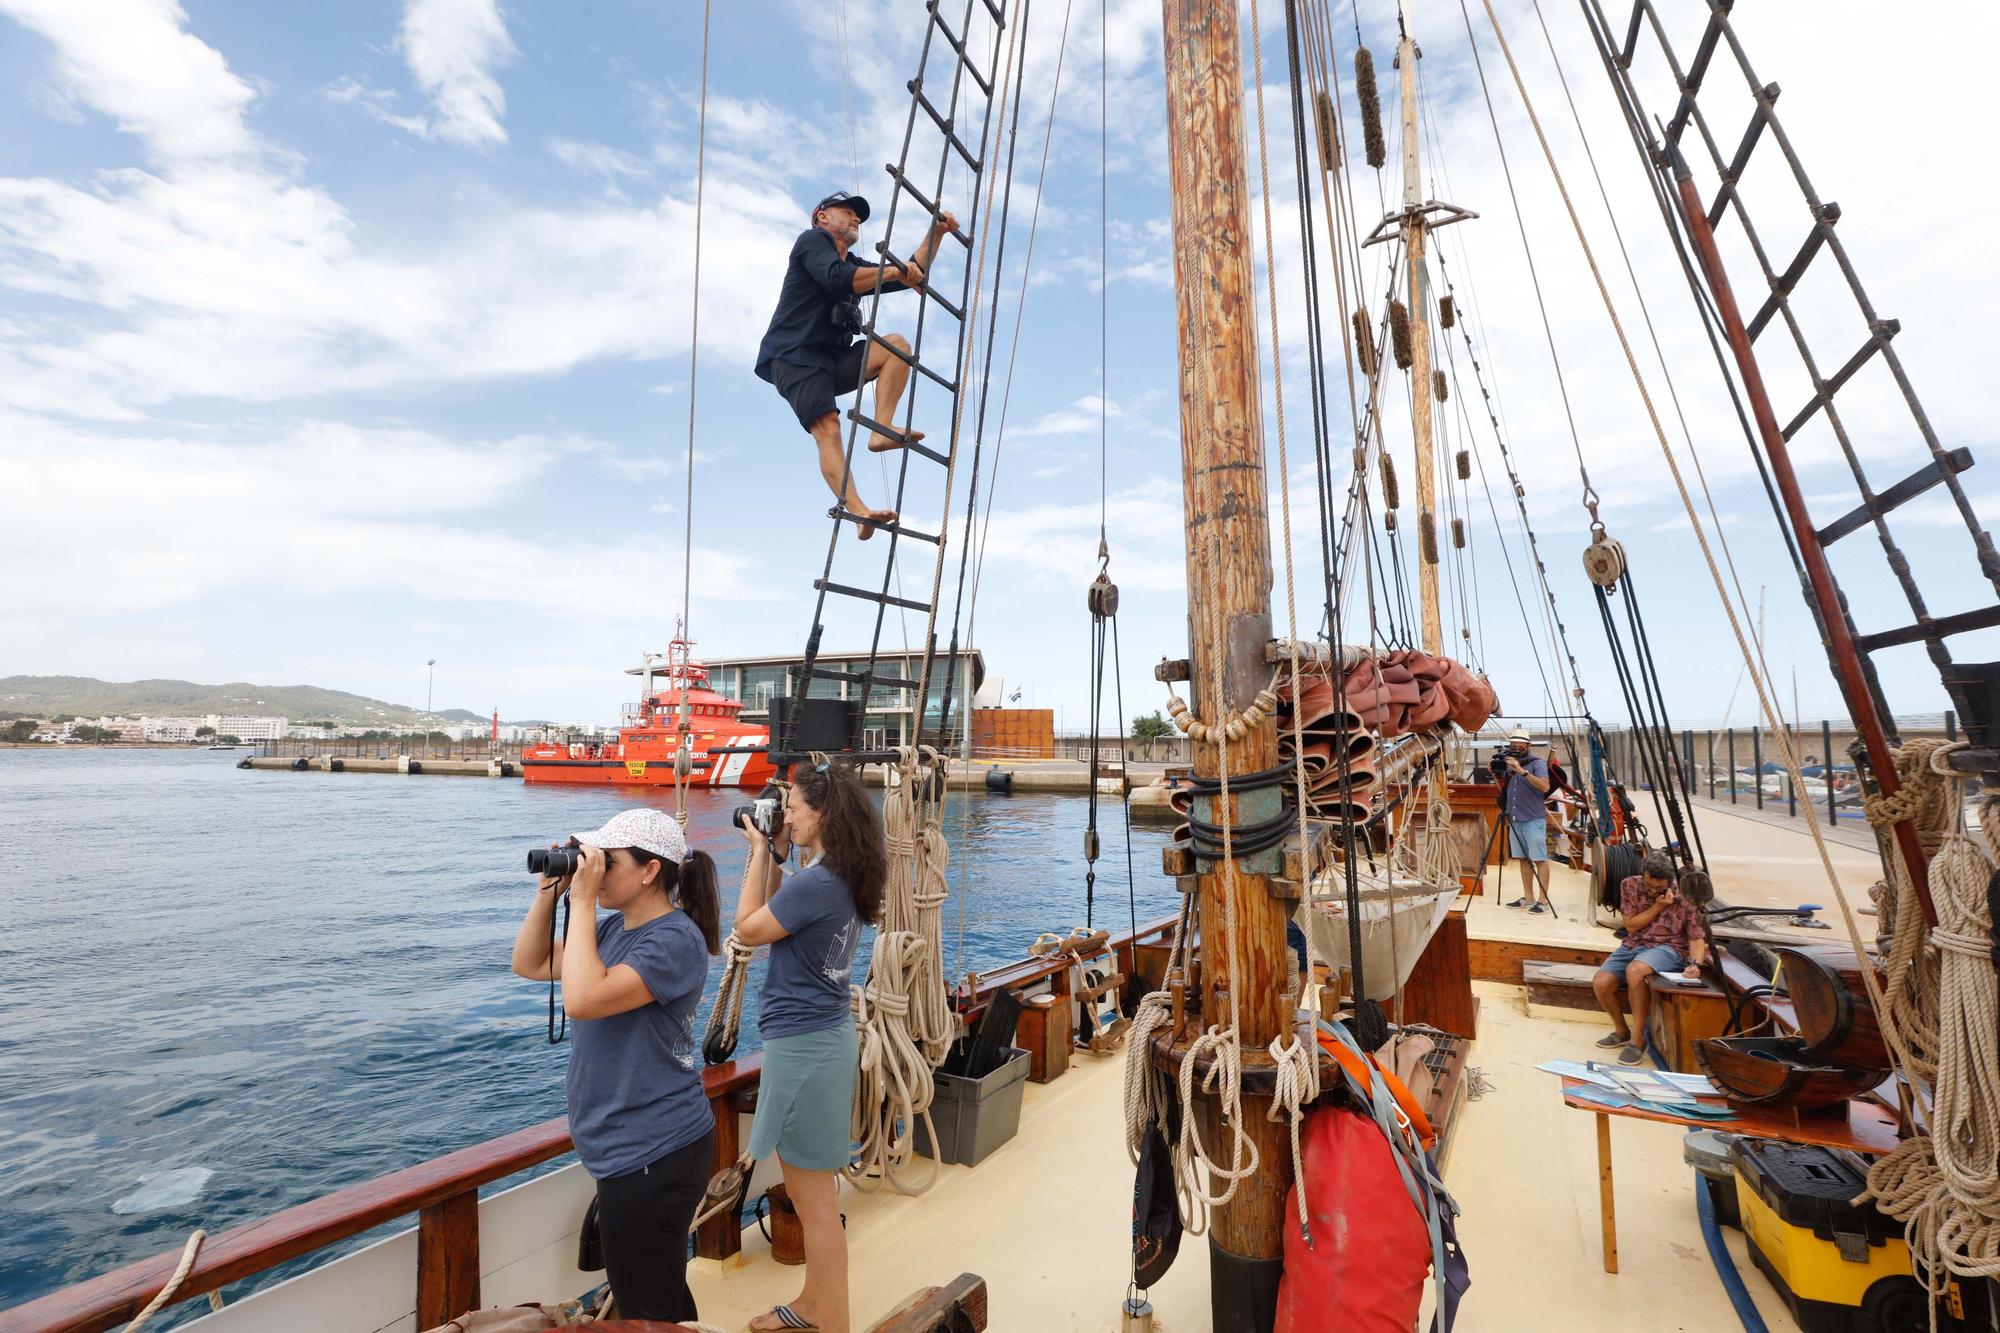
(298, 981)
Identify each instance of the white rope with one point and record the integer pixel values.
(901, 1015)
(727, 1016)
(913, 900)
(1945, 1185)
(180, 1273)
(894, 1089)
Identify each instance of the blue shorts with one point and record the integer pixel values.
(1528, 839)
(805, 1098)
(1659, 957)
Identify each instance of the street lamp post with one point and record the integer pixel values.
(429, 723)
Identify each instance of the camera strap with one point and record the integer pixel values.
(558, 1017)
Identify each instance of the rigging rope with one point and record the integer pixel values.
(1899, 1060)
(1297, 1060)
(684, 743)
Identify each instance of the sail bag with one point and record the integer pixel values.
(1370, 1255)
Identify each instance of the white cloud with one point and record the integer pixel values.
(453, 47)
(134, 61)
(597, 159)
(1083, 417)
(323, 508)
(221, 274)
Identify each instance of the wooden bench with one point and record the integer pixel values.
(1678, 1017)
(1565, 985)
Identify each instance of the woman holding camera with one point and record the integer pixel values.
(641, 1122)
(805, 1096)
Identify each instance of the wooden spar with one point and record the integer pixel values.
(1420, 343)
(1229, 597)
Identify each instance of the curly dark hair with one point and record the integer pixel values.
(850, 832)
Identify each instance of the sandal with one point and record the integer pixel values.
(787, 1317)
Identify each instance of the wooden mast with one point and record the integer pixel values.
(1229, 608)
(1414, 231)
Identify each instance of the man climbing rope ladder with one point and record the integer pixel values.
(809, 353)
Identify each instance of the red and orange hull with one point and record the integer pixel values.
(650, 766)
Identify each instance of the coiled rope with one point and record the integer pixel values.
(901, 1016)
(914, 899)
(894, 1089)
(1945, 1185)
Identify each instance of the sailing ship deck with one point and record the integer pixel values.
(1046, 1220)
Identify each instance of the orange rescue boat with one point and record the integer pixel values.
(725, 751)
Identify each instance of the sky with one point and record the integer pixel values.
(335, 339)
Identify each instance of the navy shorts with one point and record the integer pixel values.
(811, 390)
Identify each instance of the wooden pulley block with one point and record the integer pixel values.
(1604, 561)
(1103, 596)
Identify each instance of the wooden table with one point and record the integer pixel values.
(1865, 1128)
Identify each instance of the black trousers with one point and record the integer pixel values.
(643, 1219)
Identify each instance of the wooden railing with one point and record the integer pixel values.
(443, 1193)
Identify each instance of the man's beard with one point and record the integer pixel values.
(852, 235)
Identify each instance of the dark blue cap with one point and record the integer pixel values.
(842, 199)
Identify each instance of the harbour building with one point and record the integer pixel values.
(891, 719)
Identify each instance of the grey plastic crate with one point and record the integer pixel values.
(975, 1116)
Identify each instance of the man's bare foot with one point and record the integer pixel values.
(878, 443)
(867, 530)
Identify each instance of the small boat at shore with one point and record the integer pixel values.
(724, 750)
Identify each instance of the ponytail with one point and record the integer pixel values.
(696, 894)
(691, 887)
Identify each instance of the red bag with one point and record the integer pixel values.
(1371, 1252)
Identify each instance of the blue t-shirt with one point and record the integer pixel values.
(817, 279)
(805, 987)
(1523, 801)
(635, 1090)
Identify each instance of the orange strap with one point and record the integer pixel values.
(1359, 1067)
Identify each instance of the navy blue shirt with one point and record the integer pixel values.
(805, 987)
(817, 278)
(1524, 803)
(634, 1079)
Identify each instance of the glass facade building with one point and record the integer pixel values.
(891, 719)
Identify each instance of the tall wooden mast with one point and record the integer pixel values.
(1229, 609)
(1414, 232)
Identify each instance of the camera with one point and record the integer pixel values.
(1497, 765)
(556, 862)
(846, 315)
(764, 814)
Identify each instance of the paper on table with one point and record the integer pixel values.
(1577, 1070)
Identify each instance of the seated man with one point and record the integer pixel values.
(809, 353)
(1662, 935)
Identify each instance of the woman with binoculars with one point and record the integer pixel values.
(637, 1112)
(805, 1094)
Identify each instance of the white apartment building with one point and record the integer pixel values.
(184, 728)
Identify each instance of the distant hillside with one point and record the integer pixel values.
(45, 696)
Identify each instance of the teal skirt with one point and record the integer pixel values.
(805, 1099)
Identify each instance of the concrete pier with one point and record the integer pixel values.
(1143, 782)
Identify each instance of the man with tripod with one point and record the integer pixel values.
(1523, 799)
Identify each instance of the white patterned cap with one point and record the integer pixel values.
(647, 829)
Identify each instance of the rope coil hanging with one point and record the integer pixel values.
(901, 1014)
